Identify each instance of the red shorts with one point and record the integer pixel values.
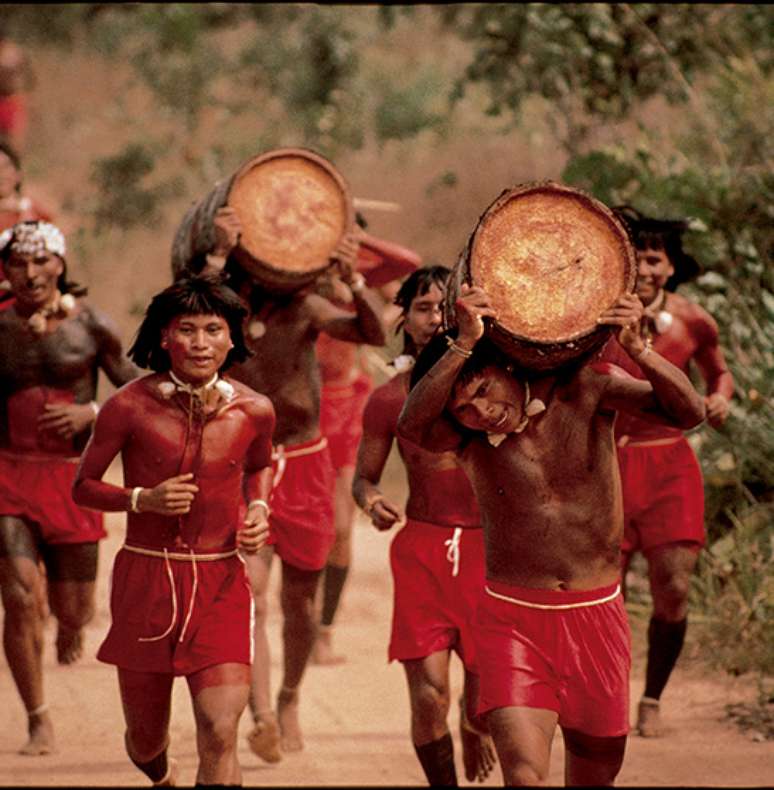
(573, 660)
(178, 616)
(13, 114)
(663, 495)
(341, 418)
(301, 520)
(433, 606)
(38, 488)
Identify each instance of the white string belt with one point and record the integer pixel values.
(453, 551)
(173, 555)
(533, 605)
(281, 456)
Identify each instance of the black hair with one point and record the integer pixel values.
(64, 285)
(418, 283)
(660, 234)
(485, 353)
(199, 295)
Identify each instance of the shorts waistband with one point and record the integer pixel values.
(536, 598)
(414, 522)
(179, 555)
(625, 441)
(303, 448)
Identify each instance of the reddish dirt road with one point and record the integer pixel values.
(355, 716)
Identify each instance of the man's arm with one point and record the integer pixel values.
(714, 370)
(258, 481)
(422, 420)
(372, 454)
(112, 429)
(668, 396)
(366, 325)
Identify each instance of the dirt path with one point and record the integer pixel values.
(355, 717)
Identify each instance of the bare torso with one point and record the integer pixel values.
(439, 490)
(284, 368)
(550, 497)
(161, 438)
(57, 367)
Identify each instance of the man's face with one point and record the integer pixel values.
(197, 345)
(33, 277)
(423, 318)
(653, 270)
(490, 401)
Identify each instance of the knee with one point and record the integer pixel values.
(517, 773)
(218, 733)
(671, 598)
(20, 602)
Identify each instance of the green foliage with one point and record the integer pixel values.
(735, 590)
(125, 196)
(598, 60)
(403, 113)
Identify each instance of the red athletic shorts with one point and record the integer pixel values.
(438, 574)
(13, 114)
(301, 519)
(663, 496)
(38, 488)
(565, 651)
(178, 616)
(341, 418)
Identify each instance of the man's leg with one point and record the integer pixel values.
(478, 754)
(523, 738)
(337, 567)
(428, 686)
(670, 568)
(146, 698)
(264, 738)
(219, 695)
(592, 761)
(72, 573)
(298, 634)
(22, 588)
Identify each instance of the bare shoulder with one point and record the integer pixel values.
(98, 322)
(700, 323)
(254, 402)
(130, 399)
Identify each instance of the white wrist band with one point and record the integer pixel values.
(95, 407)
(133, 499)
(262, 502)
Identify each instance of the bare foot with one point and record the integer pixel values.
(170, 779)
(264, 739)
(322, 652)
(287, 717)
(478, 752)
(649, 718)
(69, 644)
(41, 732)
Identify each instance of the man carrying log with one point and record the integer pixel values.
(552, 638)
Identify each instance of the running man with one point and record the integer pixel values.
(195, 447)
(662, 483)
(52, 345)
(437, 558)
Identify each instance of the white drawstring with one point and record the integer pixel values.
(453, 552)
(193, 597)
(174, 605)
